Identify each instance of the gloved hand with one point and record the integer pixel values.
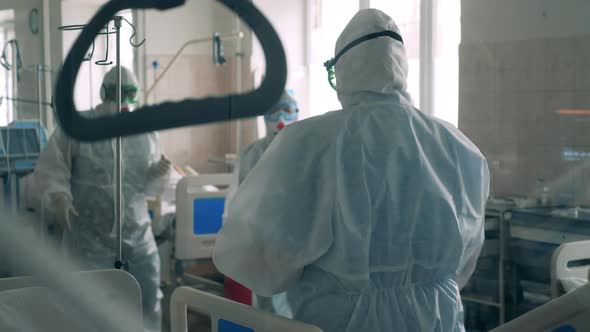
(64, 210)
(161, 168)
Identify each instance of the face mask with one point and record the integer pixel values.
(281, 118)
(111, 107)
(127, 107)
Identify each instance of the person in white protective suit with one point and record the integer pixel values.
(76, 181)
(278, 117)
(282, 114)
(370, 218)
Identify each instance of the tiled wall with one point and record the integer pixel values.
(510, 93)
(195, 76)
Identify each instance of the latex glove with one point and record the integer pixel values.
(64, 210)
(161, 168)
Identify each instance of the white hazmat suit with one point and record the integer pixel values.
(249, 157)
(82, 175)
(368, 219)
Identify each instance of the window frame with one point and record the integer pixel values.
(426, 60)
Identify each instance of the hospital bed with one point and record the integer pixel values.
(565, 313)
(30, 300)
(564, 267)
(200, 204)
(228, 315)
(535, 235)
(568, 313)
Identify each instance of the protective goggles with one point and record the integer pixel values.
(287, 111)
(331, 64)
(128, 93)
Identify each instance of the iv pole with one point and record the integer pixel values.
(239, 83)
(119, 264)
(118, 157)
(13, 179)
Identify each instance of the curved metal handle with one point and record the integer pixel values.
(170, 114)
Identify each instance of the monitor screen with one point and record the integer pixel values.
(208, 215)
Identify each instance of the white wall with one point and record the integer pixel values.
(194, 75)
(31, 47)
(33, 51)
(289, 20)
(201, 18)
(196, 19)
(503, 20)
(54, 55)
(191, 21)
(86, 91)
(30, 44)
